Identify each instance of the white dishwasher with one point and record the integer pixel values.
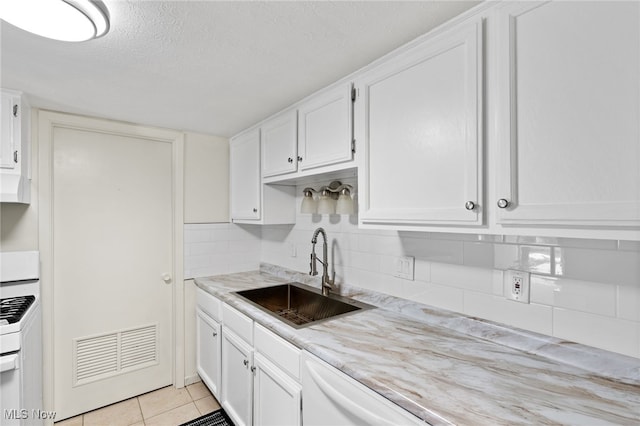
(330, 397)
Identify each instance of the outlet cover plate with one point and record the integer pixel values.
(405, 267)
(516, 285)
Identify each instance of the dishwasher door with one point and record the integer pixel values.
(332, 397)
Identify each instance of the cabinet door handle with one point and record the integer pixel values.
(214, 334)
(469, 205)
(255, 210)
(503, 203)
(15, 156)
(299, 158)
(15, 110)
(290, 160)
(253, 369)
(246, 362)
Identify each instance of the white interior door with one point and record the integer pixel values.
(112, 216)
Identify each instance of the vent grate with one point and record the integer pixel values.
(107, 355)
(138, 347)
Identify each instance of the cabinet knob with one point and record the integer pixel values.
(246, 362)
(253, 370)
(166, 277)
(214, 334)
(290, 160)
(255, 210)
(299, 158)
(469, 205)
(503, 203)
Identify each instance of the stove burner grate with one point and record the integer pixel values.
(13, 308)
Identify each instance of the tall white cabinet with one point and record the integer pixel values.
(420, 117)
(568, 79)
(244, 182)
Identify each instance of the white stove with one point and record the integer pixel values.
(20, 339)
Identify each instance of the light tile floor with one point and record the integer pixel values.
(164, 407)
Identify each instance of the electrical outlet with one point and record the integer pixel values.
(405, 267)
(516, 285)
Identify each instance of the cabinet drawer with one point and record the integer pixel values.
(278, 350)
(209, 304)
(238, 322)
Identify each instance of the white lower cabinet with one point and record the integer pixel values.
(260, 385)
(276, 396)
(237, 378)
(208, 352)
(333, 398)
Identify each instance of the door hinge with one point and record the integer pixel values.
(15, 156)
(353, 146)
(15, 110)
(353, 94)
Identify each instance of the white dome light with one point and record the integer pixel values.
(66, 20)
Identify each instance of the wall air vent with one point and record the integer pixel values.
(108, 355)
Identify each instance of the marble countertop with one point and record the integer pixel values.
(450, 369)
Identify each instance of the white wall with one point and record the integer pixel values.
(586, 291)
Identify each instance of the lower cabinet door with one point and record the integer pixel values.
(237, 379)
(208, 351)
(333, 398)
(276, 395)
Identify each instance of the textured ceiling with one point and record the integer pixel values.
(210, 67)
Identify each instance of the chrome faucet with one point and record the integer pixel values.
(326, 282)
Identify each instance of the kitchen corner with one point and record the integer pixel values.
(447, 368)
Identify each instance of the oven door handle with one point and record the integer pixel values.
(8, 362)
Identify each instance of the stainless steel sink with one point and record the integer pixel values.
(300, 305)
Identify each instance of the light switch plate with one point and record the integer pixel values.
(405, 267)
(516, 285)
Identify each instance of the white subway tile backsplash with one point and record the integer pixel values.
(617, 266)
(217, 248)
(464, 277)
(595, 298)
(629, 302)
(422, 269)
(585, 296)
(608, 333)
(481, 255)
(442, 296)
(433, 250)
(213, 247)
(582, 290)
(531, 317)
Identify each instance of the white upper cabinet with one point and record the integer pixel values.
(252, 201)
(568, 119)
(326, 128)
(420, 117)
(244, 155)
(15, 172)
(280, 144)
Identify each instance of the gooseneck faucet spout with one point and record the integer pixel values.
(326, 282)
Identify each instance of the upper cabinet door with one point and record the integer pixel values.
(9, 131)
(420, 115)
(279, 144)
(325, 131)
(569, 113)
(244, 165)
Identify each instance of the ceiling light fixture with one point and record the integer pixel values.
(334, 199)
(65, 20)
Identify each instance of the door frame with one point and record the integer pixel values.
(47, 122)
